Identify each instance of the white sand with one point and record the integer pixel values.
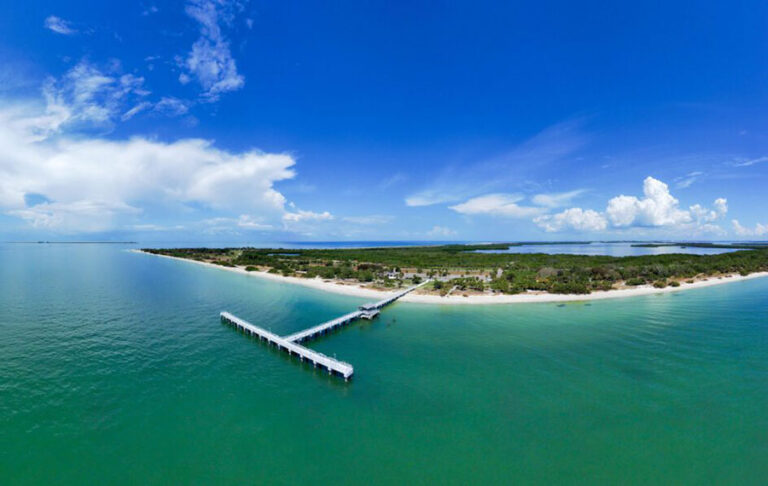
(358, 291)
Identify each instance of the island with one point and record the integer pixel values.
(467, 270)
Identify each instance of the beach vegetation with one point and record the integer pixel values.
(467, 269)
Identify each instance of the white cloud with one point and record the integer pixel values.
(758, 230)
(702, 215)
(392, 180)
(87, 216)
(88, 96)
(441, 231)
(573, 219)
(249, 222)
(142, 106)
(210, 60)
(721, 206)
(687, 180)
(304, 216)
(748, 162)
(658, 208)
(157, 227)
(84, 96)
(497, 205)
(92, 184)
(462, 181)
(556, 200)
(59, 25)
(172, 106)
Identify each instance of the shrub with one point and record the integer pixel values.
(569, 288)
(660, 284)
(250, 268)
(674, 283)
(636, 281)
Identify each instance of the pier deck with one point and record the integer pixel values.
(392, 298)
(320, 329)
(290, 344)
(345, 370)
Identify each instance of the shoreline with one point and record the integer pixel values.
(358, 291)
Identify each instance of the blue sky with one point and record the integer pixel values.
(268, 121)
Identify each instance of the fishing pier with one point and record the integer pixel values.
(291, 343)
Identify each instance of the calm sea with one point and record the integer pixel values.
(115, 369)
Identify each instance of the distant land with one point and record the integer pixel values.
(73, 242)
(467, 270)
(744, 246)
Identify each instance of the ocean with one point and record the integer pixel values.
(115, 369)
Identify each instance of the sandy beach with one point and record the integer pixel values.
(358, 291)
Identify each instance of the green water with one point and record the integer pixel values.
(115, 369)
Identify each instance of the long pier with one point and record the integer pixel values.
(345, 370)
(392, 298)
(290, 344)
(323, 328)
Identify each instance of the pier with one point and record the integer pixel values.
(345, 370)
(324, 328)
(290, 344)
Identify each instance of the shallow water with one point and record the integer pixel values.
(115, 369)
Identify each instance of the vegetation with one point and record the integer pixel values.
(462, 267)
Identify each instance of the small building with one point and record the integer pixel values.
(370, 315)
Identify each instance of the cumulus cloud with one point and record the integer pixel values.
(657, 209)
(59, 25)
(497, 205)
(75, 183)
(758, 230)
(573, 219)
(703, 215)
(210, 60)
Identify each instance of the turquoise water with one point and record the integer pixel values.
(115, 369)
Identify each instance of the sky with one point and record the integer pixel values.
(237, 120)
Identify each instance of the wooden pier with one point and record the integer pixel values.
(290, 345)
